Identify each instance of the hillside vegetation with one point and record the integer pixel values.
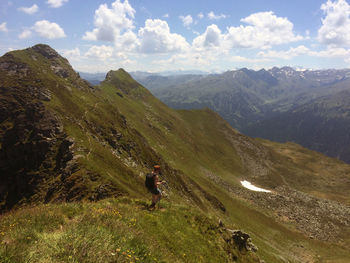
(115, 230)
(63, 140)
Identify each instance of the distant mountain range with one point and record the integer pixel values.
(96, 78)
(258, 103)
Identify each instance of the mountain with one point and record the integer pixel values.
(73, 159)
(96, 78)
(142, 74)
(252, 101)
(321, 124)
(245, 96)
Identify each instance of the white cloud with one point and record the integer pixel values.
(100, 52)
(29, 10)
(186, 20)
(56, 3)
(289, 54)
(335, 29)
(112, 23)
(332, 53)
(155, 37)
(199, 60)
(71, 54)
(212, 16)
(127, 42)
(211, 38)
(263, 30)
(48, 29)
(3, 27)
(166, 16)
(200, 15)
(25, 34)
(246, 60)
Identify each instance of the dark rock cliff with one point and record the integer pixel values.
(34, 147)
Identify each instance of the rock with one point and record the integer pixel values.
(60, 71)
(242, 240)
(11, 68)
(46, 51)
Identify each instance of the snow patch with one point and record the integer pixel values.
(249, 186)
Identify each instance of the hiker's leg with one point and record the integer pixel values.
(154, 199)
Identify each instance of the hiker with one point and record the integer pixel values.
(152, 182)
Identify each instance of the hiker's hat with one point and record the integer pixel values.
(156, 167)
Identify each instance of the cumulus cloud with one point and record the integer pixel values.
(56, 3)
(112, 23)
(186, 20)
(25, 34)
(212, 16)
(127, 41)
(289, 54)
(48, 29)
(155, 37)
(70, 54)
(264, 29)
(100, 52)
(29, 10)
(3, 27)
(335, 29)
(211, 38)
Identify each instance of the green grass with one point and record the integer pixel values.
(113, 230)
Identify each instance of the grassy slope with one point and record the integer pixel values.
(198, 147)
(313, 172)
(114, 230)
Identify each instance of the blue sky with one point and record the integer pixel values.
(158, 35)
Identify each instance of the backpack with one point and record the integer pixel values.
(149, 182)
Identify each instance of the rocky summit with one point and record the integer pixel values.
(73, 160)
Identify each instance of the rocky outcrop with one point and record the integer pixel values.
(33, 144)
(34, 149)
(10, 67)
(242, 240)
(237, 239)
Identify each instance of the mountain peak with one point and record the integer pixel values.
(123, 81)
(117, 74)
(46, 51)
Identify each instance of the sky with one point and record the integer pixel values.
(160, 35)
